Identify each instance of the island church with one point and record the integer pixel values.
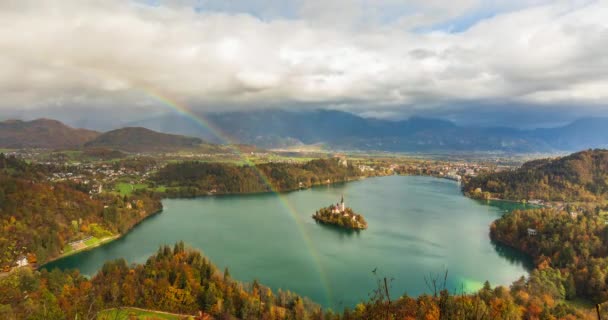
(339, 207)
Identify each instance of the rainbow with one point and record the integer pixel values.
(183, 110)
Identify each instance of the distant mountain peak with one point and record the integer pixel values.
(140, 139)
(280, 128)
(42, 133)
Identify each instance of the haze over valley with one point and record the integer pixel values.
(332, 130)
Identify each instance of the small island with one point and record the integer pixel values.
(339, 215)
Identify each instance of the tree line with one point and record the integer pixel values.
(581, 176)
(181, 280)
(195, 178)
(573, 249)
(177, 280)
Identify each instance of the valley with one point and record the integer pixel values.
(279, 190)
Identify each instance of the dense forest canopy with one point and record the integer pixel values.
(175, 280)
(574, 247)
(180, 280)
(38, 218)
(581, 176)
(200, 178)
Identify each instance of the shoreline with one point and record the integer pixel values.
(360, 178)
(210, 194)
(535, 205)
(110, 239)
(102, 242)
(328, 223)
(321, 223)
(523, 202)
(164, 197)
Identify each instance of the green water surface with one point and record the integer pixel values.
(417, 226)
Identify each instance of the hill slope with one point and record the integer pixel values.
(38, 217)
(135, 139)
(338, 130)
(42, 133)
(189, 179)
(582, 176)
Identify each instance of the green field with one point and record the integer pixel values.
(126, 188)
(67, 249)
(160, 189)
(92, 241)
(131, 313)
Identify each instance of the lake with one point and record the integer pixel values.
(418, 226)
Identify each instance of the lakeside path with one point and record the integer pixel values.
(101, 241)
(98, 243)
(536, 205)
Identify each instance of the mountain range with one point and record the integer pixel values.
(52, 134)
(346, 131)
(279, 128)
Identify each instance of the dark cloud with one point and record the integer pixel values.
(366, 57)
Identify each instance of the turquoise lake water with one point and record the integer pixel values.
(417, 226)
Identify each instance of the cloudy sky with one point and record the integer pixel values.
(480, 62)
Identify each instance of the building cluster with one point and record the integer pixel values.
(449, 170)
(366, 168)
(195, 155)
(338, 207)
(21, 261)
(96, 175)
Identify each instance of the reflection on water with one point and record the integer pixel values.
(513, 255)
(341, 231)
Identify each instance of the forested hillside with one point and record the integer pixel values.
(572, 248)
(176, 280)
(182, 281)
(581, 176)
(142, 140)
(38, 218)
(201, 178)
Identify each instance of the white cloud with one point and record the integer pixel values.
(346, 53)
